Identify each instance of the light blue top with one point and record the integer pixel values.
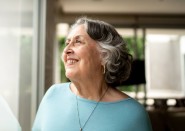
(58, 112)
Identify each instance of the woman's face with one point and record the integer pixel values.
(81, 56)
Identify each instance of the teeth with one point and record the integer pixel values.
(71, 61)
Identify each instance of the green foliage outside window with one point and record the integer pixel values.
(136, 47)
(62, 69)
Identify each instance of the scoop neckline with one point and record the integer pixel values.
(92, 101)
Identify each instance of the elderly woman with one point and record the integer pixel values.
(96, 60)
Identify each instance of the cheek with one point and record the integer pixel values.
(96, 55)
(93, 58)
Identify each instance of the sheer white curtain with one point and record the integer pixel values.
(8, 120)
(19, 80)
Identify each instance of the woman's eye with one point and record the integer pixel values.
(78, 41)
(66, 43)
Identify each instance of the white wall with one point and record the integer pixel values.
(164, 68)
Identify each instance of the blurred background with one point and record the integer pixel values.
(32, 35)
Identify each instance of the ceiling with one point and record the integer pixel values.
(123, 6)
(128, 13)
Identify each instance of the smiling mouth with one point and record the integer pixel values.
(71, 61)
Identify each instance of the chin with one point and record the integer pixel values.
(69, 74)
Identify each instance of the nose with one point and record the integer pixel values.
(68, 50)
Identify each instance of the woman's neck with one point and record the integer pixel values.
(89, 90)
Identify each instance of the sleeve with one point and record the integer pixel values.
(142, 120)
(37, 125)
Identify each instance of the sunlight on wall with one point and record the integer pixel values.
(164, 64)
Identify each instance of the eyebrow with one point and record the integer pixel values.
(76, 37)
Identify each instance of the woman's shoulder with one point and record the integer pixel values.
(134, 106)
(137, 114)
(56, 88)
(127, 100)
(59, 86)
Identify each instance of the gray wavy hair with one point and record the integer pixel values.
(113, 49)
